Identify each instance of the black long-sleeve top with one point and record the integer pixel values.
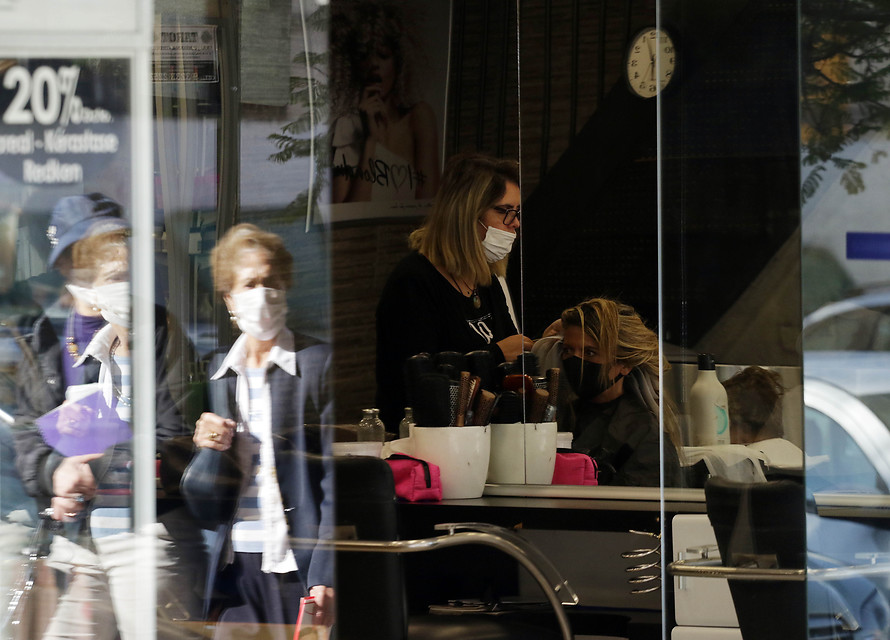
(420, 311)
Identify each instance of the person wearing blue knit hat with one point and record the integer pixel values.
(74, 216)
(70, 388)
(51, 348)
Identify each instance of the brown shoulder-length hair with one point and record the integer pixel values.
(622, 338)
(471, 184)
(243, 237)
(755, 396)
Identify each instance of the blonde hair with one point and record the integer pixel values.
(96, 249)
(471, 185)
(248, 237)
(622, 338)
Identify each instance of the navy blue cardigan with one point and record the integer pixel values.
(300, 404)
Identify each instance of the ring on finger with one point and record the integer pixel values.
(213, 435)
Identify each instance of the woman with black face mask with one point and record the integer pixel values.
(610, 360)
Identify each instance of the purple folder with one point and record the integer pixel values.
(88, 425)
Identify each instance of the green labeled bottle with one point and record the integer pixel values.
(708, 406)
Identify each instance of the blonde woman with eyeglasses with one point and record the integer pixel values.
(449, 293)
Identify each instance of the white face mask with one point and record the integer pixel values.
(497, 243)
(114, 301)
(260, 312)
(87, 296)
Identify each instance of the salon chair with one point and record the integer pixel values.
(780, 588)
(761, 525)
(370, 582)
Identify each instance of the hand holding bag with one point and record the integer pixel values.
(212, 481)
(211, 484)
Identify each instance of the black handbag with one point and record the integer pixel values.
(211, 484)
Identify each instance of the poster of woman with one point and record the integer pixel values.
(389, 63)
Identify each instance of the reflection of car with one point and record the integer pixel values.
(849, 434)
(859, 323)
(847, 391)
(848, 445)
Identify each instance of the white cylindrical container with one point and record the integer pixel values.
(540, 452)
(708, 406)
(507, 462)
(461, 453)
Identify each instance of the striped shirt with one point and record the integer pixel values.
(116, 382)
(260, 525)
(122, 381)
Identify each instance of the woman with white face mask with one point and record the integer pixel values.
(449, 293)
(263, 392)
(43, 379)
(91, 489)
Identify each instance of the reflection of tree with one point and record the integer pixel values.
(845, 77)
(305, 137)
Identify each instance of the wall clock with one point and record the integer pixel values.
(650, 63)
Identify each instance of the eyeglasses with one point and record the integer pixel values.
(510, 214)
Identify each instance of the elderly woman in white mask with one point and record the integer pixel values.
(263, 392)
(446, 295)
(94, 485)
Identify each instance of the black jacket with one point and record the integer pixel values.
(623, 439)
(40, 388)
(300, 405)
(419, 311)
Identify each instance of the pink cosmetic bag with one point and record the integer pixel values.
(574, 468)
(415, 479)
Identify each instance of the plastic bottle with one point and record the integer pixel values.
(406, 423)
(708, 405)
(371, 428)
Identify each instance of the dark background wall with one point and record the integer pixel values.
(590, 168)
(729, 166)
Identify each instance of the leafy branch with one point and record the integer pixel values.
(301, 138)
(845, 86)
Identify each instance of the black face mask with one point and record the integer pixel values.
(584, 377)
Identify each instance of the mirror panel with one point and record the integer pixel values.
(843, 158)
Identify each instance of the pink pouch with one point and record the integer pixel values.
(415, 479)
(574, 468)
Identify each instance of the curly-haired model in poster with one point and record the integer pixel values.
(384, 139)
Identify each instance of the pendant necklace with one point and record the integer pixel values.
(70, 342)
(473, 294)
(70, 339)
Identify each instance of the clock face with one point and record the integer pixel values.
(651, 62)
